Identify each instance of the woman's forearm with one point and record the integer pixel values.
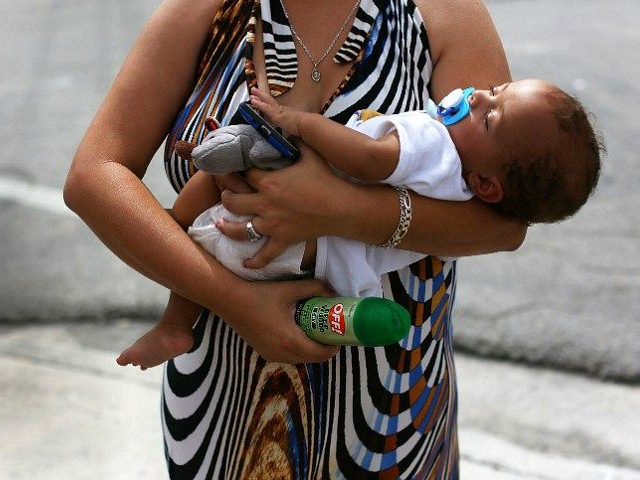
(440, 228)
(458, 229)
(126, 217)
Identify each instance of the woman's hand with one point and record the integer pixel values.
(265, 320)
(292, 205)
(284, 117)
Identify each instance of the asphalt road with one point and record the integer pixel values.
(568, 298)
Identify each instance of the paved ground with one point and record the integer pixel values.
(102, 420)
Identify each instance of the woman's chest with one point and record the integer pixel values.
(303, 74)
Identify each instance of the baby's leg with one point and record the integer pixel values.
(172, 335)
(199, 193)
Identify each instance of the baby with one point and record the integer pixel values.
(525, 147)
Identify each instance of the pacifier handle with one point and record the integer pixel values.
(455, 106)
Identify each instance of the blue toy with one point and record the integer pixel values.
(455, 106)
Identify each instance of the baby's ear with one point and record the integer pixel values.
(487, 189)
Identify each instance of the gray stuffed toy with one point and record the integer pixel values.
(232, 149)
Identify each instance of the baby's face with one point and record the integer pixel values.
(505, 119)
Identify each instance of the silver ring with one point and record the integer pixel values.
(252, 233)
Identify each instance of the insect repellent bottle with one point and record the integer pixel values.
(369, 321)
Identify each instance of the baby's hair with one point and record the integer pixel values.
(551, 186)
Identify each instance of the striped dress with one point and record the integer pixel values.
(375, 413)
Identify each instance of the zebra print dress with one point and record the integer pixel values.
(376, 413)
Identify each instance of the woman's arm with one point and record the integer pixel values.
(104, 188)
(464, 46)
(290, 207)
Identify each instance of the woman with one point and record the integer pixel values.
(228, 413)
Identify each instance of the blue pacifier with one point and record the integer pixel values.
(454, 107)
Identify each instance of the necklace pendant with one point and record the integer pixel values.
(315, 75)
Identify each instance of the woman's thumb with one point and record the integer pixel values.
(312, 288)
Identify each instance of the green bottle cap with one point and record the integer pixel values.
(379, 322)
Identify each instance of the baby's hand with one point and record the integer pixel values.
(286, 118)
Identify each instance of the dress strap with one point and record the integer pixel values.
(280, 57)
(365, 18)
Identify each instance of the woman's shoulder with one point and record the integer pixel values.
(450, 21)
(449, 10)
(206, 8)
(189, 11)
(464, 45)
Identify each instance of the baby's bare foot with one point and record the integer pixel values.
(163, 342)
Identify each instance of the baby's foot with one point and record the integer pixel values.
(163, 342)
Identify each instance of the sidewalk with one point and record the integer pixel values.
(73, 413)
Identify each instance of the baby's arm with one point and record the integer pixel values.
(354, 153)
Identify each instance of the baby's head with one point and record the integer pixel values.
(528, 148)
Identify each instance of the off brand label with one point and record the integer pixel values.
(336, 319)
(328, 320)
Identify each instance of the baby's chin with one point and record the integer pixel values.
(466, 152)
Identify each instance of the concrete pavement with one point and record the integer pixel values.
(73, 413)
